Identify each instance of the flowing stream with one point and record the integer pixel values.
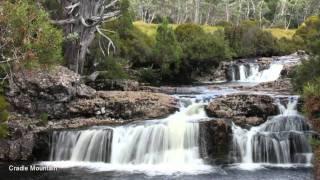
(170, 146)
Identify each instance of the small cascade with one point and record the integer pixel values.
(251, 73)
(283, 139)
(172, 141)
(243, 71)
(88, 145)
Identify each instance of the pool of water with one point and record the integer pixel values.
(231, 172)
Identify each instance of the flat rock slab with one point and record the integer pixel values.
(243, 109)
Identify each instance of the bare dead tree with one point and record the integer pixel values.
(82, 20)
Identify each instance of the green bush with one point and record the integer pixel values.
(28, 34)
(315, 143)
(131, 43)
(44, 117)
(149, 75)
(288, 46)
(133, 48)
(113, 68)
(309, 31)
(249, 40)
(312, 89)
(201, 51)
(3, 130)
(188, 32)
(167, 52)
(307, 72)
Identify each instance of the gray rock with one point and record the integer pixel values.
(243, 109)
(124, 105)
(114, 85)
(59, 93)
(215, 140)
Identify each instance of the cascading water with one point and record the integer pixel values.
(87, 145)
(250, 73)
(171, 142)
(283, 139)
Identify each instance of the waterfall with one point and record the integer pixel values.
(283, 139)
(171, 145)
(172, 141)
(251, 73)
(87, 145)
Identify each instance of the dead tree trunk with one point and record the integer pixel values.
(82, 20)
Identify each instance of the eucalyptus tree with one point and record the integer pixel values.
(81, 23)
(283, 13)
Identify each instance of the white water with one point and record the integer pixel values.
(163, 146)
(170, 146)
(250, 73)
(281, 140)
(172, 141)
(271, 74)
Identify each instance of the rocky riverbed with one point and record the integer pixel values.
(69, 104)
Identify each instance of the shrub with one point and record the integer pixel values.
(307, 72)
(44, 117)
(201, 51)
(188, 32)
(288, 46)
(113, 68)
(248, 40)
(132, 46)
(26, 31)
(167, 52)
(149, 75)
(309, 31)
(312, 89)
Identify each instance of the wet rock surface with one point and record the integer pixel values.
(243, 109)
(215, 140)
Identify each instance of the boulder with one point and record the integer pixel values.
(59, 93)
(215, 139)
(19, 145)
(244, 109)
(282, 86)
(46, 91)
(124, 105)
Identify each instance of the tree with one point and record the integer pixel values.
(167, 51)
(82, 20)
(201, 51)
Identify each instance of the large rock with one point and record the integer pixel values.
(244, 109)
(59, 93)
(124, 105)
(46, 91)
(283, 86)
(19, 145)
(215, 140)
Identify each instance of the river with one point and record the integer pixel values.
(169, 149)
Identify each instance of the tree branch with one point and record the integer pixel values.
(111, 44)
(113, 3)
(63, 22)
(72, 7)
